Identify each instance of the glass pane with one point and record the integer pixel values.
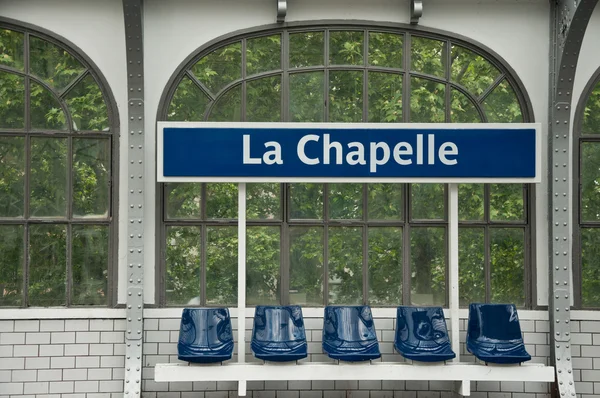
(428, 266)
(385, 97)
(48, 182)
(228, 108)
(221, 200)
(385, 266)
(189, 103)
(221, 265)
(427, 201)
(184, 200)
(262, 262)
(590, 181)
(506, 202)
(472, 71)
(385, 201)
(591, 115)
(11, 265)
(508, 265)
(502, 105)
(306, 49)
(12, 101)
(385, 49)
(220, 67)
(470, 202)
(346, 48)
(87, 106)
(90, 265)
(345, 265)
(345, 96)
(46, 112)
(263, 201)
(471, 257)
(306, 97)
(11, 48)
(183, 256)
(306, 201)
(427, 101)
(12, 176)
(306, 266)
(47, 265)
(263, 100)
(590, 267)
(345, 201)
(428, 56)
(462, 110)
(263, 54)
(91, 177)
(53, 64)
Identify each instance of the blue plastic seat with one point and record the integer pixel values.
(278, 334)
(422, 335)
(494, 334)
(349, 334)
(205, 335)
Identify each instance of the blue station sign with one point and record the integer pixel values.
(286, 152)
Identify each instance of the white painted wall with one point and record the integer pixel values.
(516, 30)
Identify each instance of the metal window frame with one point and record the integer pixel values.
(90, 69)
(407, 31)
(578, 139)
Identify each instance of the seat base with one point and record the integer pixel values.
(354, 357)
(504, 360)
(205, 359)
(429, 357)
(281, 357)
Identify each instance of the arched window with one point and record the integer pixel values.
(587, 197)
(57, 145)
(316, 244)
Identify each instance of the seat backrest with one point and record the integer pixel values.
(421, 327)
(278, 324)
(494, 322)
(206, 328)
(349, 324)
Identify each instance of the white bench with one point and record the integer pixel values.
(462, 373)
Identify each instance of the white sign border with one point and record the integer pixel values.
(418, 126)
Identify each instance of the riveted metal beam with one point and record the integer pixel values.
(569, 22)
(132, 10)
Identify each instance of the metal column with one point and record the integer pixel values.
(568, 24)
(132, 10)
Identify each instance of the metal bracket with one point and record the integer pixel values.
(570, 20)
(281, 10)
(132, 10)
(416, 11)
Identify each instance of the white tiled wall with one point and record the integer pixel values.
(84, 358)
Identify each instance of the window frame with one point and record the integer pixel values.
(407, 31)
(578, 139)
(90, 69)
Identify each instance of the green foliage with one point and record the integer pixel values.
(385, 49)
(501, 105)
(11, 49)
(59, 168)
(591, 115)
(507, 272)
(590, 267)
(306, 49)
(12, 176)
